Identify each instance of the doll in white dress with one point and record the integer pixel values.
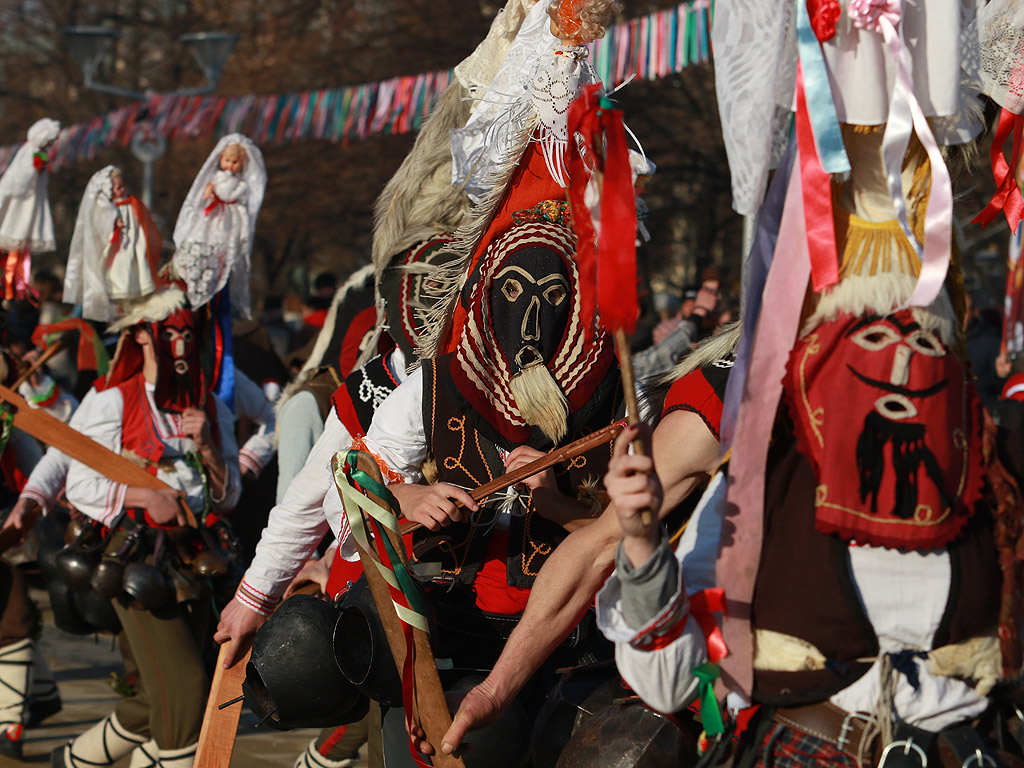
(214, 233)
(26, 224)
(115, 249)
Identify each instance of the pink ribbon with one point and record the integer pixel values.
(743, 525)
(906, 118)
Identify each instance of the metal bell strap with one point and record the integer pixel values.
(425, 708)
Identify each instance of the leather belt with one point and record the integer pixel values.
(843, 730)
(959, 747)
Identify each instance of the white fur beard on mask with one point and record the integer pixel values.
(540, 400)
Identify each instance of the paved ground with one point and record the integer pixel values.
(83, 668)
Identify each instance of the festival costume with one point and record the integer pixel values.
(115, 250)
(879, 589)
(26, 224)
(524, 312)
(213, 237)
(143, 420)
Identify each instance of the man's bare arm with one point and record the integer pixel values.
(685, 451)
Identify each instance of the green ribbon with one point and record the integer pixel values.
(710, 714)
(393, 572)
(6, 425)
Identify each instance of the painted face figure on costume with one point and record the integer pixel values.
(906, 415)
(179, 375)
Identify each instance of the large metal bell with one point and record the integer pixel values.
(107, 577)
(291, 680)
(361, 647)
(146, 586)
(75, 567)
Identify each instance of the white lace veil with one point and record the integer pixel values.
(254, 175)
(1001, 37)
(84, 280)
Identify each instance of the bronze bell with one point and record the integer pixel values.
(108, 575)
(74, 529)
(209, 564)
(146, 586)
(185, 587)
(75, 567)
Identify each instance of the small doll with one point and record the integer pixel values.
(115, 249)
(26, 224)
(214, 233)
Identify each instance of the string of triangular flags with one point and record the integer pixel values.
(649, 47)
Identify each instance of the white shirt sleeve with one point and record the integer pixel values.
(296, 524)
(396, 433)
(87, 490)
(663, 678)
(47, 479)
(252, 404)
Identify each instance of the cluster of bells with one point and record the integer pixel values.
(82, 580)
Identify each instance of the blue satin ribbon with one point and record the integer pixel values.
(820, 106)
(226, 364)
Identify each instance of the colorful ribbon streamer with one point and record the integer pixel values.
(710, 713)
(394, 106)
(906, 118)
(1007, 198)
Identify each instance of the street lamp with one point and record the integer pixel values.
(89, 45)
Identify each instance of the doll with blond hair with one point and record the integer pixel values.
(214, 232)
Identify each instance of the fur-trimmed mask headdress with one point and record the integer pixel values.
(527, 358)
(169, 320)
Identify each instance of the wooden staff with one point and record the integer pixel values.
(223, 708)
(45, 428)
(430, 709)
(49, 352)
(632, 407)
(557, 456)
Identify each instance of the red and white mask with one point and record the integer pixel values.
(891, 423)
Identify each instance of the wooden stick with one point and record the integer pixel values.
(430, 706)
(45, 428)
(632, 407)
(558, 455)
(49, 352)
(220, 725)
